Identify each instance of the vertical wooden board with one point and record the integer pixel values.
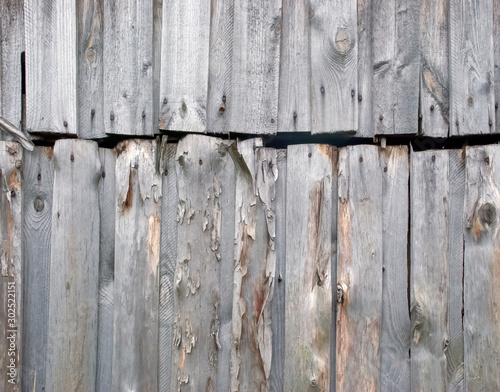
(137, 254)
(434, 62)
(11, 321)
(396, 64)
(294, 106)
(471, 68)
(157, 32)
(128, 67)
(51, 53)
(334, 66)
(106, 269)
(308, 297)
(74, 267)
(184, 65)
(359, 269)
(395, 335)
(496, 52)
(37, 185)
(481, 270)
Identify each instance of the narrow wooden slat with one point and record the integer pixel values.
(471, 68)
(395, 335)
(157, 33)
(128, 67)
(51, 53)
(74, 267)
(359, 269)
(481, 270)
(308, 299)
(434, 62)
(496, 52)
(137, 254)
(184, 65)
(334, 66)
(38, 179)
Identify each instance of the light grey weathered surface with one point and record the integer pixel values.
(496, 52)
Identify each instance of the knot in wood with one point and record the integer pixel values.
(487, 214)
(342, 41)
(340, 293)
(38, 204)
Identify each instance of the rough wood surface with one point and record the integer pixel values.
(334, 66)
(496, 53)
(482, 270)
(74, 267)
(359, 269)
(137, 256)
(51, 70)
(38, 176)
(308, 299)
(471, 68)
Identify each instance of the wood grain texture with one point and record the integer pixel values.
(471, 68)
(308, 298)
(496, 53)
(51, 53)
(38, 177)
(334, 71)
(396, 64)
(481, 269)
(11, 253)
(128, 67)
(137, 256)
(395, 335)
(359, 269)
(74, 267)
(184, 65)
(434, 63)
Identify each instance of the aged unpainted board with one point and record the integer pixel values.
(496, 53)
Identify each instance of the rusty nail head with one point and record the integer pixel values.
(39, 177)
(280, 278)
(385, 169)
(92, 112)
(322, 89)
(184, 107)
(432, 108)
(381, 117)
(487, 160)
(470, 101)
(223, 98)
(165, 172)
(361, 159)
(383, 268)
(103, 174)
(272, 120)
(112, 116)
(309, 155)
(143, 113)
(200, 162)
(294, 115)
(165, 101)
(72, 158)
(65, 123)
(456, 123)
(360, 97)
(490, 122)
(352, 93)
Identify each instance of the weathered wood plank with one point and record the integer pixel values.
(471, 68)
(11, 310)
(434, 63)
(184, 65)
(137, 254)
(481, 270)
(396, 64)
(37, 183)
(74, 267)
(334, 66)
(395, 335)
(496, 53)
(128, 67)
(51, 53)
(359, 269)
(308, 299)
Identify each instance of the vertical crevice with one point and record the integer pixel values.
(23, 91)
(408, 240)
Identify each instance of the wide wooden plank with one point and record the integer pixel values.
(38, 176)
(11, 310)
(137, 256)
(128, 67)
(184, 65)
(471, 68)
(481, 269)
(51, 53)
(74, 267)
(434, 63)
(496, 53)
(396, 64)
(359, 269)
(334, 71)
(308, 299)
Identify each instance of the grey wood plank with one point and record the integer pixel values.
(396, 65)
(334, 66)
(496, 52)
(157, 33)
(395, 335)
(359, 269)
(11, 253)
(106, 270)
(471, 68)
(481, 270)
(137, 256)
(50, 66)
(294, 106)
(308, 297)
(184, 65)
(74, 267)
(128, 67)
(434, 63)
(38, 176)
